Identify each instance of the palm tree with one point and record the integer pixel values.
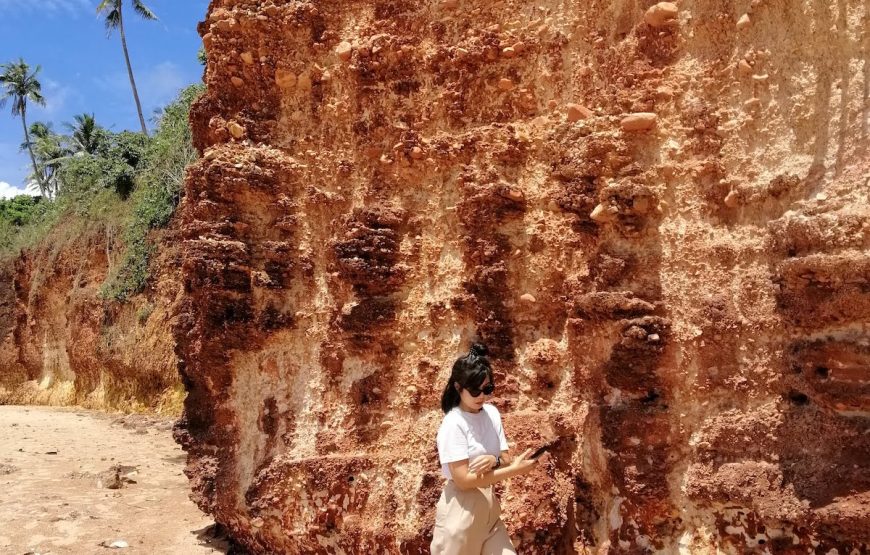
(86, 136)
(50, 153)
(21, 85)
(38, 130)
(115, 20)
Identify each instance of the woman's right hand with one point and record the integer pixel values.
(523, 463)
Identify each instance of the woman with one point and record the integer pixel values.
(473, 452)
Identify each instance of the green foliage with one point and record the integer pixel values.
(130, 185)
(144, 313)
(159, 186)
(20, 210)
(18, 84)
(17, 213)
(113, 167)
(49, 152)
(86, 135)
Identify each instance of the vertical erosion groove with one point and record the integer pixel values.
(654, 215)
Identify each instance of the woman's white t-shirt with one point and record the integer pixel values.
(465, 435)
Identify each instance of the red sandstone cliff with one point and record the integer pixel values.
(657, 221)
(62, 343)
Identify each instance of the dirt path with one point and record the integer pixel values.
(59, 492)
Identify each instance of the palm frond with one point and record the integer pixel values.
(112, 14)
(36, 96)
(113, 20)
(143, 10)
(20, 84)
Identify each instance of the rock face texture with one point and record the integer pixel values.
(654, 215)
(62, 343)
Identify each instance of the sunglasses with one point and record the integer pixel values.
(474, 392)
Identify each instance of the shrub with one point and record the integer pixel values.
(21, 210)
(158, 190)
(130, 185)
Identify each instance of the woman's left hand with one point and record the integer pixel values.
(482, 464)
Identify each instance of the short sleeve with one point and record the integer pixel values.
(502, 440)
(452, 442)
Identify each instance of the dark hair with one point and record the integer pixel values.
(469, 371)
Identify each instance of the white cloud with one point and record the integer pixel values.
(48, 7)
(157, 84)
(8, 191)
(163, 82)
(56, 96)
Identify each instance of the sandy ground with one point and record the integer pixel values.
(56, 485)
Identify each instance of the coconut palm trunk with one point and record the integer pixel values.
(130, 67)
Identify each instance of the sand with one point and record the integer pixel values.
(52, 463)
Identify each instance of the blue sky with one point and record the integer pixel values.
(84, 72)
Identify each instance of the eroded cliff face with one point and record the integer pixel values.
(654, 216)
(62, 343)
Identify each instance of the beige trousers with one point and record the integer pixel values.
(469, 523)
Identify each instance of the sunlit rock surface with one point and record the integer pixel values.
(655, 216)
(63, 342)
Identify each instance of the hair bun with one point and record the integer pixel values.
(478, 349)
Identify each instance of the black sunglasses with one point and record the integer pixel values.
(474, 392)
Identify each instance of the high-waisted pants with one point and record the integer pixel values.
(469, 523)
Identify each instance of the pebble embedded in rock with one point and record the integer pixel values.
(236, 130)
(601, 213)
(732, 199)
(304, 82)
(237, 81)
(285, 79)
(509, 52)
(344, 51)
(641, 205)
(577, 112)
(744, 68)
(417, 153)
(516, 194)
(505, 84)
(247, 57)
(744, 21)
(640, 121)
(528, 297)
(663, 13)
